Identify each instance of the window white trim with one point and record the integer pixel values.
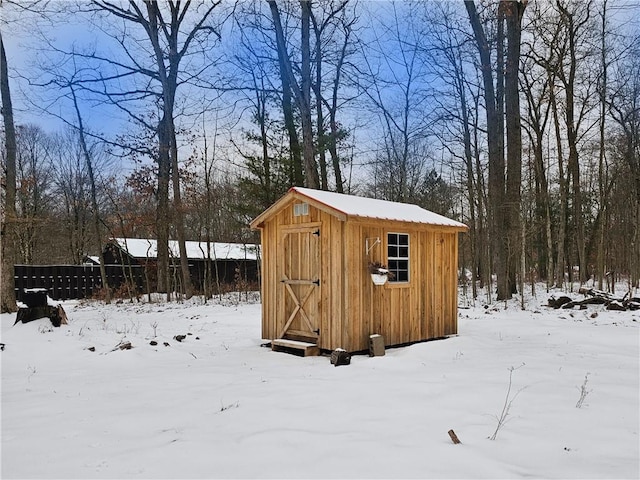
(398, 256)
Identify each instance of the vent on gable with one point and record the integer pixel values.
(300, 209)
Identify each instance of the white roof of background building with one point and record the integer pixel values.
(352, 205)
(148, 248)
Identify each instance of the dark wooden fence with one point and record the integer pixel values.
(65, 282)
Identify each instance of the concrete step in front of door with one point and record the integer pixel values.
(303, 349)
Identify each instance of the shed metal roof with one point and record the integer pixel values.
(354, 206)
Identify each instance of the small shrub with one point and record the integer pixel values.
(224, 407)
(100, 293)
(583, 391)
(32, 372)
(508, 400)
(126, 290)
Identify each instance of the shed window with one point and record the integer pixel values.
(300, 209)
(398, 256)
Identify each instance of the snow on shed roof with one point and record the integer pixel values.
(148, 248)
(352, 205)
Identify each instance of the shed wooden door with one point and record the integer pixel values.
(299, 287)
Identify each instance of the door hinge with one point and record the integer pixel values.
(317, 282)
(317, 233)
(317, 331)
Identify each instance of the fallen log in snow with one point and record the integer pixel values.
(597, 297)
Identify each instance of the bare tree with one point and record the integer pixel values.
(624, 106)
(170, 38)
(337, 24)
(504, 194)
(33, 196)
(538, 113)
(602, 173)
(537, 85)
(94, 197)
(450, 55)
(495, 152)
(276, 163)
(300, 92)
(7, 227)
(576, 23)
(396, 84)
(307, 45)
(7, 290)
(71, 187)
(513, 11)
(68, 83)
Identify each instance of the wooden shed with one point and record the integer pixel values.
(316, 284)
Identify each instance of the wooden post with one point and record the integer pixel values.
(454, 437)
(376, 345)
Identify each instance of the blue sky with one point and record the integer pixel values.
(21, 41)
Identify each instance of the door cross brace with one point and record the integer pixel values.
(299, 304)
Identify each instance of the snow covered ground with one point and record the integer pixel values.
(218, 405)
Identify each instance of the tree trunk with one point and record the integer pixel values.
(264, 142)
(162, 210)
(635, 253)
(329, 142)
(317, 89)
(304, 101)
(601, 156)
(513, 15)
(287, 92)
(472, 195)
(472, 198)
(562, 220)
(94, 197)
(178, 219)
(333, 123)
(573, 163)
(485, 263)
(497, 235)
(167, 67)
(7, 248)
(543, 209)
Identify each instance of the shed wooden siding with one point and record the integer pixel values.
(423, 308)
(349, 307)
